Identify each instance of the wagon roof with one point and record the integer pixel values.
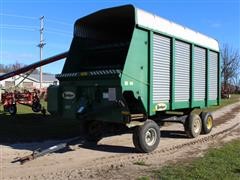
(151, 21)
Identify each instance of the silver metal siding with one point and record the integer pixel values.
(161, 68)
(213, 75)
(182, 71)
(199, 73)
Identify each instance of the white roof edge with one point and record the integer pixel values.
(160, 24)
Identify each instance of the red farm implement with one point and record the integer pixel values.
(31, 99)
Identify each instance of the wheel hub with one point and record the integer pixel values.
(196, 126)
(209, 122)
(151, 137)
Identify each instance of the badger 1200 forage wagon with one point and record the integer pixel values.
(127, 66)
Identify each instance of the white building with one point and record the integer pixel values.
(31, 82)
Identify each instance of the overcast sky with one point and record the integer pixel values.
(19, 23)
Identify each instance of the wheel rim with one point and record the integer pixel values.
(11, 109)
(196, 126)
(151, 137)
(209, 122)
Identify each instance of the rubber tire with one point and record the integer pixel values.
(189, 125)
(12, 109)
(139, 137)
(204, 117)
(94, 136)
(36, 107)
(135, 139)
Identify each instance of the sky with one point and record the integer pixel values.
(19, 23)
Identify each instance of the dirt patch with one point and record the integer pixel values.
(229, 115)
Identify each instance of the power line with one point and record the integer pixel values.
(58, 33)
(18, 16)
(59, 22)
(35, 18)
(17, 26)
(57, 30)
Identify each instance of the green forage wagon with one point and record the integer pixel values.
(128, 66)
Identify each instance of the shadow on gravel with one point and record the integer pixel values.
(108, 148)
(173, 134)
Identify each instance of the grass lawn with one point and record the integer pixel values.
(221, 163)
(224, 102)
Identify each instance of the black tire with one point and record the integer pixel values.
(135, 139)
(36, 107)
(94, 131)
(193, 125)
(146, 138)
(207, 122)
(12, 109)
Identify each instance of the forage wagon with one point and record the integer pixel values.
(131, 67)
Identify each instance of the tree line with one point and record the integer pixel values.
(12, 67)
(230, 68)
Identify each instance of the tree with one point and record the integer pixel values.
(230, 65)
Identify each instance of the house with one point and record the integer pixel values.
(31, 82)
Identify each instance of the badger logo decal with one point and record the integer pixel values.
(68, 95)
(160, 107)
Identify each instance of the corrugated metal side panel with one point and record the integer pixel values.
(199, 73)
(213, 75)
(161, 68)
(182, 71)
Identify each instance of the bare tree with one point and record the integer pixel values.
(230, 65)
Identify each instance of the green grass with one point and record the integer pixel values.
(222, 163)
(140, 163)
(224, 102)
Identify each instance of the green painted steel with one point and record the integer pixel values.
(173, 75)
(175, 37)
(109, 81)
(135, 72)
(207, 79)
(192, 76)
(219, 80)
(151, 108)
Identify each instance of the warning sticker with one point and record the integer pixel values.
(112, 94)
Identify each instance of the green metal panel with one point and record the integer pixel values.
(173, 75)
(219, 79)
(53, 99)
(207, 78)
(182, 105)
(151, 110)
(200, 104)
(192, 76)
(175, 37)
(135, 72)
(212, 102)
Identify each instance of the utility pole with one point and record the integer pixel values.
(41, 45)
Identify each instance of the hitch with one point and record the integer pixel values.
(38, 152)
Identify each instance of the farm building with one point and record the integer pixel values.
(31, 82)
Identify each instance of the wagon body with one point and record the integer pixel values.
(126, 64)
